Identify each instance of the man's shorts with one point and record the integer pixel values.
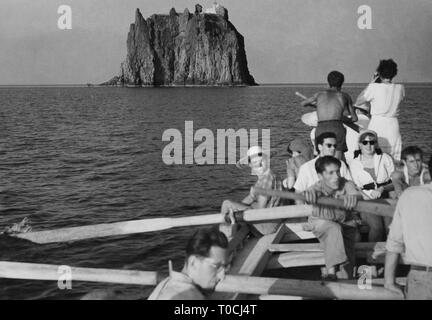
(337, 127)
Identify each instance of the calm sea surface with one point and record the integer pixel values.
(79, 156)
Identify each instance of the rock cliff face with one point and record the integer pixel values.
(185, 49)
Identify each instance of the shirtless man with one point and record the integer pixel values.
(413, 172)
(333, 107)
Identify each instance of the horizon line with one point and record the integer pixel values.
(179, 86)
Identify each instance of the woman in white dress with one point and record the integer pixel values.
(385, 98)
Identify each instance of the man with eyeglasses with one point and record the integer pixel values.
(410, 233)
(205, 265)
(325, 146)
(259, 163)
(413, 172)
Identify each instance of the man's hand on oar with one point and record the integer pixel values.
(374, 207)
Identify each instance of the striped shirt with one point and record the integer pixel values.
(267, 181)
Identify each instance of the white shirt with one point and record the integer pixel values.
(411, 228)
(308, 176)
(384, 98)
(178, 286)
(383, 167)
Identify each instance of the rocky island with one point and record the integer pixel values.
(203, 48)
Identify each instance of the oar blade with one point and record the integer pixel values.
(96, 231)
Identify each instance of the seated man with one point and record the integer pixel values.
(307, 175)
(260, 166)
(336, 229)
(413, 172)
(333, 107)
(299, 153)
(205, 264)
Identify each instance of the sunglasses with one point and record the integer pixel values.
(366, 142)
(329, 145)
(258, 154)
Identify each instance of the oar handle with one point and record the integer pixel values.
(300, 95)
(373, 207)
(36, 271)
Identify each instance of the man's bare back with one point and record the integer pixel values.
(332, 105)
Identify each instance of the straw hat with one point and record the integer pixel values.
(367, 132)
(255, 151)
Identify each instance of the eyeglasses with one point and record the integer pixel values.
(259, 154)
(330, 145)
(366, 142)
(217, 266)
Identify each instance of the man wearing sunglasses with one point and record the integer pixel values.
(205, 265)
(307, 175)
(410, 233)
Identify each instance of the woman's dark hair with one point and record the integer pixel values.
(411, 151)
(387, 69)
(323, 162)
(202, 241)
(320, 139)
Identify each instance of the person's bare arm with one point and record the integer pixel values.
(310, 102)
(391, 263)
(260, 203)
(395, 246)
(396, 178)
(248, 200)
(351, 110)
(361, 99)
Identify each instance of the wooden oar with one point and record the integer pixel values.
(35, 271)
(352, 125)
(157, 224)
(370, 206)
(231, 283)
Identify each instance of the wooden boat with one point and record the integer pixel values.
(283, 265)
(295, 255)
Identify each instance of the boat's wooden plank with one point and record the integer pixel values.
(295, 232)
(374, 253)
(252, 259)
(297, 247)
(304, 288)
(360, 247)
(296, 259)
(279, 297)
(256, 261)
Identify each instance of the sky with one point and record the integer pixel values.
(287, 41)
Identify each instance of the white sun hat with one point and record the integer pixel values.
(255, 151)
